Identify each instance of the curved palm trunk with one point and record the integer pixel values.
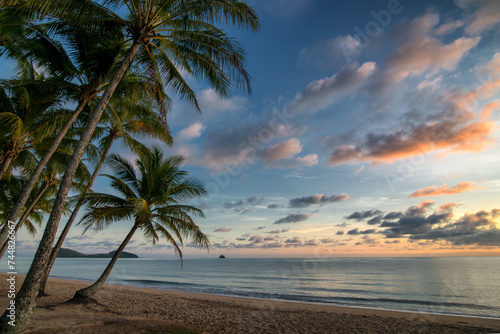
(88, 292)
(25, 216)
(21, 202)
(64, 233)
(26, 298)
(5, 165)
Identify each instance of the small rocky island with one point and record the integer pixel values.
(66, 252)
(222, 257)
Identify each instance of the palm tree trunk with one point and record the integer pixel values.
(26, 298)
(25, 216)
(5, 165)
(88, 292)
(2, 158)
(23, 198)
(69, 223)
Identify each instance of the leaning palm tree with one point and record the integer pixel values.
(77, 68)
(170, 36)
(125, 118)
(152, 199)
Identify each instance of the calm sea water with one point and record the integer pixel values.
(465, 286)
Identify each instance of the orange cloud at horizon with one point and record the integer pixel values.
(444, 190)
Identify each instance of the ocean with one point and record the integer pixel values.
(460, 285)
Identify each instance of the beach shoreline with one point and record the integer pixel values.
(134, 309)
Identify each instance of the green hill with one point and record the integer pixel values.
(66, 252)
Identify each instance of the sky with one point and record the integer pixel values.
(372, 130)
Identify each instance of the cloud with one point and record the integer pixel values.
(444, 190)
(358, 232)
(293, 218)
(274, 206)
(367, 240)
(485, 17)
(242, 145)
(191, 132)
(408, 225)
(478, 229)
(419, 52)
(254, 200)
(447, 206)
(306, 161)
(417, 223)
(294, 240)
(361, 215)
(278, 231)
(257, 239)
(449, 27)
(245, 206)
(234, 205)
(427, 54)
(328, 240)
(449, 131)
(322, 93)
(375, 220)
(489, 77)
(283, 150)
(211, 102)
(303, 202)
(420, 209)
(223, 229)
(393, 215)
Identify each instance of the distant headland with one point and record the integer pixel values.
(66, 252)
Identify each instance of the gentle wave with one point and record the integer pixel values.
(157, 282)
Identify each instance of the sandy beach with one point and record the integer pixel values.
(123, 309)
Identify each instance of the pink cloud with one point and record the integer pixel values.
(449, 27)
(283, 150)
(428, 54)
(485, 17)
(322, 93)
(307, 161)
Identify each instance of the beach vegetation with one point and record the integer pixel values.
(126, 117)
(152, 198)
(166, 40)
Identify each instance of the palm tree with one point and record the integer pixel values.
(169, 36)
(30, 113)
(152, 199)
(124, 118)
(78, 69)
